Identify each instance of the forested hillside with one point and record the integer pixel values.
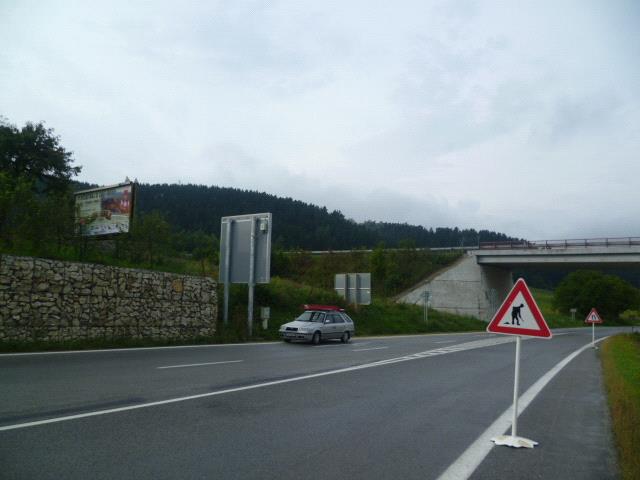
(297, 225)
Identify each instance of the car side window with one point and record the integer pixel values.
(346, 317)
(337, 318)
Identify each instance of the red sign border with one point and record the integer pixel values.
(593, 310)
(520, 287)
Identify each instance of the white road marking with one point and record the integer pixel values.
(446, 341)
(467, 463)
(199, 364)
(367, 349)
(415, 356)
(137, 349)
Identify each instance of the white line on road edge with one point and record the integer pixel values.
(199, 364)
(473, 456)
(429, 353)
(367, 349)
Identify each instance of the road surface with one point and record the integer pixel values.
(422, 407)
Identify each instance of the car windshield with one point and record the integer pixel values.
(311, 317)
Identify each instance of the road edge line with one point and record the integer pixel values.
(467, 463)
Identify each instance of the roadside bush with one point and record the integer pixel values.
(586, 289)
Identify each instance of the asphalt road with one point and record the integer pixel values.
(396, 407)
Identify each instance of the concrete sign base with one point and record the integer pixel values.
(515, 442)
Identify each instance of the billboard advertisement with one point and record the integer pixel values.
(104, 210)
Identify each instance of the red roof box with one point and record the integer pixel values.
(323, 307)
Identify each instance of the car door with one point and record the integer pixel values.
(329, 330)
(340, 326)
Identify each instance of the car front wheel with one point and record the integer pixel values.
(345, 337)
(316, 338)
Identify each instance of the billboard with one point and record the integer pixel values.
(104, 210)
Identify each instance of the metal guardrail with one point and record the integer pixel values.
(583, 242)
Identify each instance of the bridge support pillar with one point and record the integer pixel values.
(464, 288)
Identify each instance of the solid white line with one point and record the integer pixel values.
(415, 356)
(367, 349)
(199, 364)
(446, 341)
(467, 463)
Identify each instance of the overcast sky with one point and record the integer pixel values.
(516, 116)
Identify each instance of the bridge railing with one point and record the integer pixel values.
(582, 242)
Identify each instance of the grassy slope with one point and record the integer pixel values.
(286, 298)
(621, 366)
(554, 318)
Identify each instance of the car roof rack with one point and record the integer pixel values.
(331, 308)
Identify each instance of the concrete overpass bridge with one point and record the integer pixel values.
(478, 282)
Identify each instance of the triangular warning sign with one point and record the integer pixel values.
(519, 315)
(593, 317)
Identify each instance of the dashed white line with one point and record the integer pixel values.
(138, 349)
(473, 456)
(367, 349)
(416, 356)
(199, 364)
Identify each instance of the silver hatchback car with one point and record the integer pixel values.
(317, 323)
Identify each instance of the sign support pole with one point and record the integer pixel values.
(426, 307)
(593, 335)
(252, 280)
(516, 387)
(227, 273)
(513, 440)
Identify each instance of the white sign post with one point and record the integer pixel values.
(519, 315)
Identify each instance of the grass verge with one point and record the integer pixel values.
(382, 317)
(621, 366)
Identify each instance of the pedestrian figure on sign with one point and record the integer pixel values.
(515, 314)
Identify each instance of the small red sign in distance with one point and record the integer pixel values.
(521, 309)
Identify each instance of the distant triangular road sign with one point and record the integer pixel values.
(519, 315)
(593, 317)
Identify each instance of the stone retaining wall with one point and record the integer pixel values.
(53, 300)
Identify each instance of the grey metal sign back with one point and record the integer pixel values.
(355, 288)
(235, 263)
(245, 255)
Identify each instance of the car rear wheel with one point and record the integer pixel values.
(345, 337)
(316, 338)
